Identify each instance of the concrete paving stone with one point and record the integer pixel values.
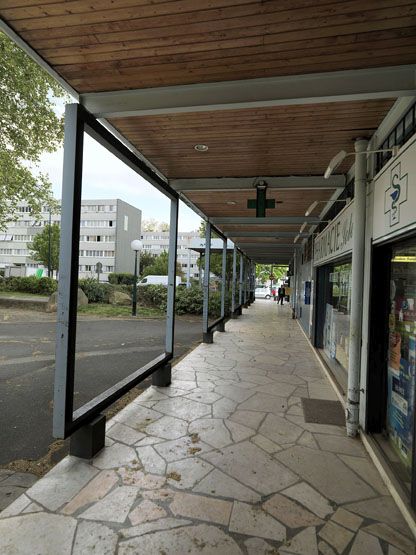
(152, 526)
(258, 546)
(212, 431)
(265, 444)
(291, 514)
(184, 384)
(114, 507)
(192, 540)
(163, 494)
(203, 396)
(383, 509)
(201, 507)
(321, 390)
(20, 479)
(264, 403)
(302, 391)
(168, 427)
(304, 543)
(326, 473)
(317, 428)
(16, 507)
(336, 535)
(181, 448)
(149, 440)
(347, 519)
(309, 498)
(364, 544)
(96, 489)
(254, 377)
(295, 410)
(278, 429)
(152, 462)
(250, 465)
(115, 456)
(152, 393)
(173, 391)
(392, 536)
(189, 472)
(238, 431)
(5, 473)
(92, 538)
(325, 549)
(231, 392)
(339, 444)
(183, 408)
(145, 512)
(132, 477)
(251, 520)
(125, 434)
(367, 471)
(308, 440)
(62, 483)
(249, 418)
(33, 508)
(394, 551)
(223, 408)
(148, 404)
(136, 416)
(280, 389)
(37, 533)
(218, 484)
(8, 494)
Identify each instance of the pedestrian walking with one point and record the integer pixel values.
(281, 292)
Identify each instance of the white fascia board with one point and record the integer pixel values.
(312, 88)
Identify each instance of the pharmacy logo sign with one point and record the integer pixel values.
(396, 194)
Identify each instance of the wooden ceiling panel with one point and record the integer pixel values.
(99, 45)
(282, 140)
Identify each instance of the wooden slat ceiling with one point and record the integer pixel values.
(99, 45)
(282, 140)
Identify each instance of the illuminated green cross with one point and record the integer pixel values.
(261, 202)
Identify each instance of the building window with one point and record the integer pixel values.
(126, 223)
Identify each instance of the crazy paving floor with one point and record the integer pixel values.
(221, 462)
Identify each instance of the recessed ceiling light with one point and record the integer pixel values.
(201, 148)
(231, 202)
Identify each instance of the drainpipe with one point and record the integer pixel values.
(357, 286)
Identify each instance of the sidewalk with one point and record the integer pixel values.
(222, 462)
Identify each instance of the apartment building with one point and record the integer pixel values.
(156, 242)
(107, 227)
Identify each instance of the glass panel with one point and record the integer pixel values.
(215, 279)
(401, 358)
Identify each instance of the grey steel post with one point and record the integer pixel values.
(224, 276)
(188, 270)
(234, 279)
(68, 272)
(240, 289)
(357, 285)
(200, 269)
(173, 241)
(205, 307)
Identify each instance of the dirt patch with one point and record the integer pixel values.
(195, 438)
(174, 476)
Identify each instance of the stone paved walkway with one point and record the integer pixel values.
(221, 462)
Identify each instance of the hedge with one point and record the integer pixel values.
(95, 292)
(121, 278)
(30, 284)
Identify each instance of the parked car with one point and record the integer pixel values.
(262, 292)
(157, 280)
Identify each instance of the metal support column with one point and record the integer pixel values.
(245, 304)
(207, 335)
(241, 284)
(233, 283)
(221, 325)
(357, 284)
(163, 376)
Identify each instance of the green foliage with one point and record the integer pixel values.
(189, 300)
(263, 272)
(153, 295)
(30, 284)
(29, 127)
(39, 248)
(146, 259)
(95, 292)
(121, 279)
(159, 266)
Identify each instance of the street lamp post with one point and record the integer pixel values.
(137, 246)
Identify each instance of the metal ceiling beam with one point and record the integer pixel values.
(312, 88)
(269, 220)
(265, 245)
(277, 234)
(233, 183)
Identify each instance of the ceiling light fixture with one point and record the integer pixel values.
(200, 147)
(231, 202)
(302, 228)
(342, 154)
(295, 240)
(316, 202)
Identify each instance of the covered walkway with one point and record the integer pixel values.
(222, 461)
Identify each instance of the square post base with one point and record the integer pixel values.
(163, 376)
(208, 337)
(88, 440)
(221, 326)
(245, 305)
(234, 314)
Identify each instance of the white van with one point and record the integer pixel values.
(157, 280)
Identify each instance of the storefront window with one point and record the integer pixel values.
(401, 358)
(336, 331)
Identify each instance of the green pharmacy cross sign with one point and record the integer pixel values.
(261, 203)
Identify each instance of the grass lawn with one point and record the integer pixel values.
(20, 294)
(108, 310)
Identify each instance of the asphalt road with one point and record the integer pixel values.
(107, 351)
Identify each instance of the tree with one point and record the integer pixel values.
(39, 248)
(146, 259)
(160, 266)
(263, 272)
(29, 127)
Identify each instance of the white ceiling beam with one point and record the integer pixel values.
(187, 185)
(268, 220)
(312, 88)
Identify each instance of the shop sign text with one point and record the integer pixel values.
(336, 239)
